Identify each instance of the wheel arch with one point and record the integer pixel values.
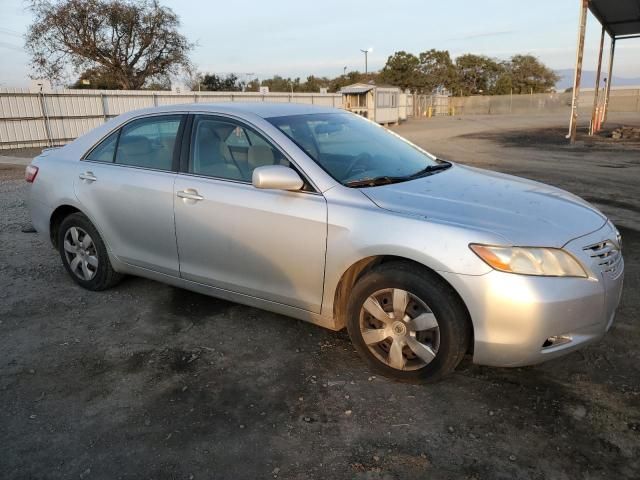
(57, 216)
(352, 274)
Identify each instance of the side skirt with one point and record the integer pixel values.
(223, 294)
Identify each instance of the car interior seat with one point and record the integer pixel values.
(136, 150)
(211, 156)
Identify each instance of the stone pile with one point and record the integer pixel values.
(626, 133)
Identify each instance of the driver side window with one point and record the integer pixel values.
(224, 149)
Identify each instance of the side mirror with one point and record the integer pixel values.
(276, 177)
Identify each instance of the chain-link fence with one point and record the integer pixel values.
(621, 100)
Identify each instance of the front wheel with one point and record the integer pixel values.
(407, 323)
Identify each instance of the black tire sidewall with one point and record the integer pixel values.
(443, 302)
(102, 277)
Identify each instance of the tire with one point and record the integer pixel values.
(85, 259)
(412, 349)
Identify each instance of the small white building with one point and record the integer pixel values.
(382, 104)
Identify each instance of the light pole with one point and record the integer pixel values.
(246, 78)
(366, 58)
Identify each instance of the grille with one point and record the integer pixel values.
(606, 255)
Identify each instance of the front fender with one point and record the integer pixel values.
(359, 229)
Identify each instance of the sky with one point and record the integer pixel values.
(301, 38)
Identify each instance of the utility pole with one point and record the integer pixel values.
(596, 93)
(246, 78)
(584, 4)
(609, 79)
(366, 58)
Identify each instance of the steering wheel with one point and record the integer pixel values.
(351, 169)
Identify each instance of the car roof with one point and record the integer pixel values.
(261, 109)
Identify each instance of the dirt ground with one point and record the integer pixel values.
(149, 381)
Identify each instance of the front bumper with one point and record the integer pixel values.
(514, 315)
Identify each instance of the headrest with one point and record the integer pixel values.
(134, 145)
(260, 155)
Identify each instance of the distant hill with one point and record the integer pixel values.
(589, 79)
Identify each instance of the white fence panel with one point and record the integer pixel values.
(29, 119)
(117, 104)
(208, 98)
(174, 99)
(72, 105)
(20, 106)
(19, 133)
(66, 129)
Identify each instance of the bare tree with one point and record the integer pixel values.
(130, 41)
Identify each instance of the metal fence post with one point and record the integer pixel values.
(45, 118)
(103, 102)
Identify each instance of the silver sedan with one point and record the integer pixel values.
(327, 217)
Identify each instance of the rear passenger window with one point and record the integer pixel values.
(149, 142)
(105, 150)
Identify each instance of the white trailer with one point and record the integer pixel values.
(382, 104)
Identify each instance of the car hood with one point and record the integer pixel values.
(524, 212)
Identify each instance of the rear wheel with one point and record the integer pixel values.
(84, 254)
(407, 323)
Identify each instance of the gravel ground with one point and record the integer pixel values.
(149, 381)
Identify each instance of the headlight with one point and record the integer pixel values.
(552, 262)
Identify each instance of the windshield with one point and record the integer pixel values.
(354, 150)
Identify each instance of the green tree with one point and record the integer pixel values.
(252, 85)
(402, 70)
(353, 77)
(96, 78)
(217, 83)
(528, 74)
(438, 70)
(129, 41)
(281, 84)
(477, 74)
(504, 83)
(314, 84)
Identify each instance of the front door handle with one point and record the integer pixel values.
(190, 194)
(88, 176)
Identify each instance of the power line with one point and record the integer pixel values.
(8, 31)
(11, 46)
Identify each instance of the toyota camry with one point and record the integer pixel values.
(322, 215)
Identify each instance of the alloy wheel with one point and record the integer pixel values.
(399, 329)
(81, 254)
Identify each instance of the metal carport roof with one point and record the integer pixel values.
(620, 18)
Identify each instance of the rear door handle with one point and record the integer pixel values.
(88, 176)
(190, 194)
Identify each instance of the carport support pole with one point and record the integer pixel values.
(596, 92)
(578, 71)
(609, 75)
